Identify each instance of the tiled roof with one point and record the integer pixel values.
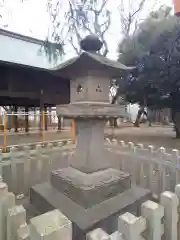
(18, 49)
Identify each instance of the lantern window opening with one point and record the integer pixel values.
(79, 88)
(98, 89)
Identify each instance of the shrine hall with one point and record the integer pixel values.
(25, 79)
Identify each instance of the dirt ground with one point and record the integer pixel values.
(158, 136)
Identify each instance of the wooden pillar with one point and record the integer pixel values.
(50, 116)
(15, 119)
(40, 118)
(46, 119)
(73, 134)
(26, 119)
(40, 110)
(59, 123)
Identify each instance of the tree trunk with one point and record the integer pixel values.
(138, 118)
(26, 120)
(113, 122)
(59, 123)
(176, 120)
(45, 119)
(15, 119)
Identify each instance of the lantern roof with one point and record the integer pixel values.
(90, 61)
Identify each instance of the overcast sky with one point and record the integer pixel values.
(32, 19)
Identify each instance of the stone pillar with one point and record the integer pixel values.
(131, 227)
(51, 225)
(45, 119)
(90, 146)
(170, 203)
(26, 120)
(7, 200)
(23, 232)
(15, 119)
(153, 213)
(97, 234)
(15, 218)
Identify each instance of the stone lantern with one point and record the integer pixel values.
(90, 192)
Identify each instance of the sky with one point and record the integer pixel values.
(31, 19)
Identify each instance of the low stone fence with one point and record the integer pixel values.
(156, 221)
(150, 168)
(13, 226)
(25, 167)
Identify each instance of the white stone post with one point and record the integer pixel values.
(45, 168)
(130, 160)
(177, 191)
(38, 163)
(7, 200)
(153, 214)
(33, 162)
(23, 232)
(27, 171)
(122, 159)
(97, 234)
(46, 163)
(13, 168)
(122, 144)
(15, 218)
(18, 159)
(175, 173)
(162, 170)
(1, 179)
(3, 190)
(151, 170)
(170, 203)
(134, 168)
(140, 164)
(131, 227)
(51, 225)
(6, 172)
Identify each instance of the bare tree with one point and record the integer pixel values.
(5, 13)
(81, 17)
(130, 11)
